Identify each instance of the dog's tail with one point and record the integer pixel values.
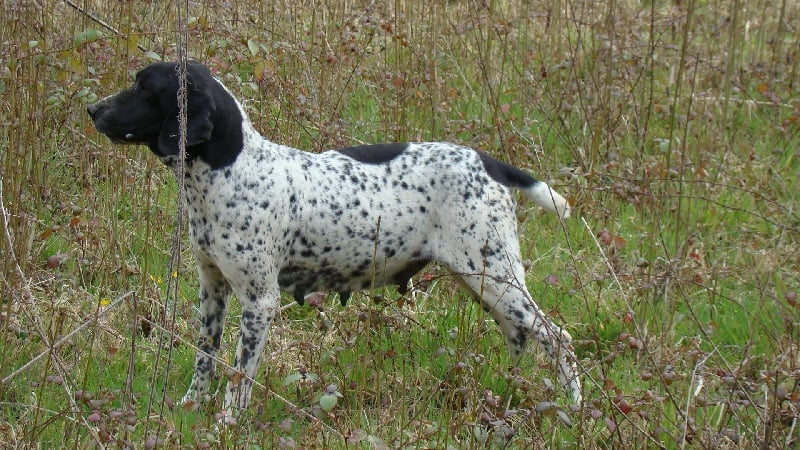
(537, 191)
(543, 195)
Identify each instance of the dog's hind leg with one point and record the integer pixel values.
(499, 285)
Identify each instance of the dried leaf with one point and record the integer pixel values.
(564, 418)
(546, 408)
(610, 424)
(258, 71)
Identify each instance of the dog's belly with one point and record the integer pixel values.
(299, 280)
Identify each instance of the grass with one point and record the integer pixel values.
(673, 127)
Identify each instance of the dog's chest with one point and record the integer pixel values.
(225, 215)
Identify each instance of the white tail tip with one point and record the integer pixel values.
(550, 200)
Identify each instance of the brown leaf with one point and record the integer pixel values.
(258, 71)
(46, 233)
(624, 406)
(604, 236)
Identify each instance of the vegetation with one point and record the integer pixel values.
(672, 126)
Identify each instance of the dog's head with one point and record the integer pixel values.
(147, 113)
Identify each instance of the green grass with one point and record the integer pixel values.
(673, 127)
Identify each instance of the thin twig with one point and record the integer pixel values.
(100, 21)
(644, 344)
(35, 318)
(182, 37)
(66, 338)
(224, 364)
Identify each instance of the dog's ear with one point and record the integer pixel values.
(200, 111)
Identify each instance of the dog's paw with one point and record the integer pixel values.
(193, 399)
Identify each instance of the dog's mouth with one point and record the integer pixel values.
(124, 139)
(116, 134)
(129, 138)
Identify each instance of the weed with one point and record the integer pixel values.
(673, 127)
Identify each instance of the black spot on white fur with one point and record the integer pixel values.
(266, 218)
(374, 154)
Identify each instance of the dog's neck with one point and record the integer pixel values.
(249, 133)
(233, 132)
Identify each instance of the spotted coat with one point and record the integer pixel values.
(266, 218)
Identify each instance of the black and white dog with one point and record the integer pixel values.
(266, 218)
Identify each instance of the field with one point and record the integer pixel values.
(673, 128)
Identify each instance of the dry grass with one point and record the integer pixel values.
(672, 126)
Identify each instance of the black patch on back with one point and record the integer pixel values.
(506, 174)
(374, 154)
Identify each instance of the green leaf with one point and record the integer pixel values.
(152, 55)
(327, 402)
(253, 46)
(87, 36)
(292, 378)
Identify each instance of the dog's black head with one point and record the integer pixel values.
(147, 113)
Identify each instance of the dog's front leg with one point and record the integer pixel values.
(214, 294)
(258, 312)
